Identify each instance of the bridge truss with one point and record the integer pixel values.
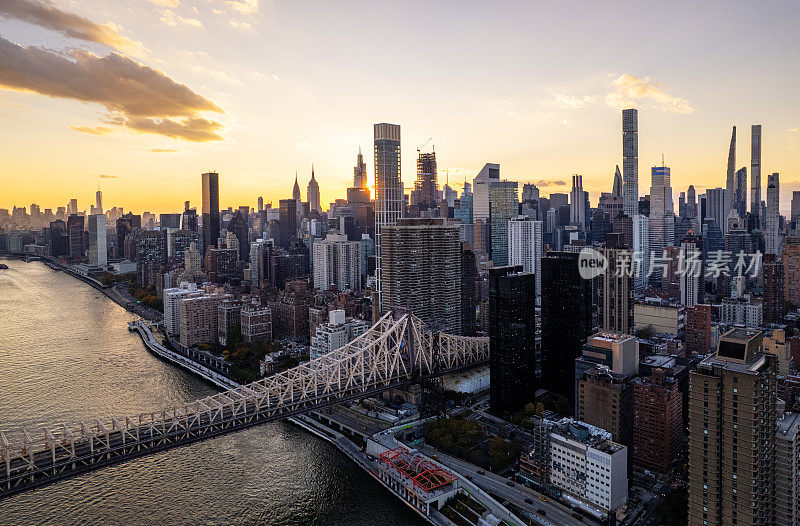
(393, 352)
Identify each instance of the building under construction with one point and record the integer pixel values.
(425, 188)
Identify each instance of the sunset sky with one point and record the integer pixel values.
(155, 92)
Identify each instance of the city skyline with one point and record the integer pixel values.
(542, 124)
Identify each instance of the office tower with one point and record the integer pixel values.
(59, 240)
(98, 250)
(774, 286)
(772, 221)
(489, 174)
(577, 202)
(169, 221)
(616, 190)
(312, 192)
(657, 420)
(238, 227)
(210, 209)
(715, 207)
(72, 207)
(288, 221)
(698, 329)
(615, 289)
(732, 429)
(630, 161)
(730, 181)
(98, 199)
(525, 248)
(641, 250)
(691, 203)
(691, 275)
(388, 190)
(740, 197)
(360, 172)
(605, 399)
(795, 207)
(469, 284)
(787, 470)
(188, 219)
(566, 320)
(662, 214)
(755, 170)
(425, 186)
(337, 263)
(504, 206)
(512, 339)
(422, 271)
(530, 193)
(75, 235)
(791, 270)
(297, 196)
(259, 206)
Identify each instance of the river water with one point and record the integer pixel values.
(66, 354)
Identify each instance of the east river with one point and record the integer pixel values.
(66, 355)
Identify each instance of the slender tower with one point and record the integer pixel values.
(312, 191)
(730, 182)
(755, 170)
(388, 187)
(617, 188)
(630, 161)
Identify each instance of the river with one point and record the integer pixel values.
(66, 354)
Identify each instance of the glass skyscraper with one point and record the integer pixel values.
(504, 205)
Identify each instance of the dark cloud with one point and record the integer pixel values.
(47, 15)
(549, 182)
(139, 97)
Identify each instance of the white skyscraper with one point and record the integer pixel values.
(98, 251)
(630, 161)
(577, 202)
(172, 300)
(337, 263)
(641, 250)
(691, 275)
(772, 230)
(525, 248)
(388, 187)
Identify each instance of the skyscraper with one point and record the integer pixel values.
(615, 292)
(504, 206)
(98, 251)
(210, 209)
(388, 189)
(425, 185)
(360, 172)
(732, 429)
(422, 271)
(662, 214)
(337, 263)
(641, 250)
(755, 170)
(512, 339)
(630, 161)
(616, 190)
(297, 196)
(577, 202)
(288, 221)
(771, 232)
(730, 181)
(489, 174)
(525, 248)
(740, 196)
(98, 199)
(312, 192)
(691, 275)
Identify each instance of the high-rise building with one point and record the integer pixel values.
(774, 286)
(337, 263)
(210, 209)
(691, 275)
(504, 198)
(469, 302)
(715, 207)
(566, 320)
(259, 205)
(730, 181)
(525, 248)
(787, 470)
(605, 399)
(338, 332)
(360, 172)
(641, 250)
(98, 199)
(755, 170)
(312, 192)
(388, 190)
(691, 203)
(75, 235)
(795, 207)
(772, 221)
(422, 271)
(662, 214)
(238, 227)
(791, 271)
(630, 161)
(425, 188)
(740, 195)
(288, 221)
(698, 329)
(172, 298)
(489, 174)
(657, 420)
(616, 189)
(198, 317)
(98, 246)
(297, 196)
(512, 337)
(732, 430)
(256, 323)
(615, 289)
(577, 202)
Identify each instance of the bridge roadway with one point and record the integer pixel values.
(393, 353)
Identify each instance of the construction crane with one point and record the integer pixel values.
(424, 144)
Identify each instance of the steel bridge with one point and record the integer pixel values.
(396, 351)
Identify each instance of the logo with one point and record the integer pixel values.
(591, 263)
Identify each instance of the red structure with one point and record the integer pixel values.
(698, 329)
(422, 473)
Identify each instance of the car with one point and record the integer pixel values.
(469, 477)
(577, 516)
(528, 501)
(509, 483)
(540, 511)
(481, 472)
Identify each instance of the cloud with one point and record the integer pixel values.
(172, 4)
(92, 130)
(69, 24)
(162, 150)
(173, 19)
(629, 90)
(549, 182)
(106, 176)
(794, 130)
(572, 103)
(245, 7)
(240, 25)
(137, 96)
